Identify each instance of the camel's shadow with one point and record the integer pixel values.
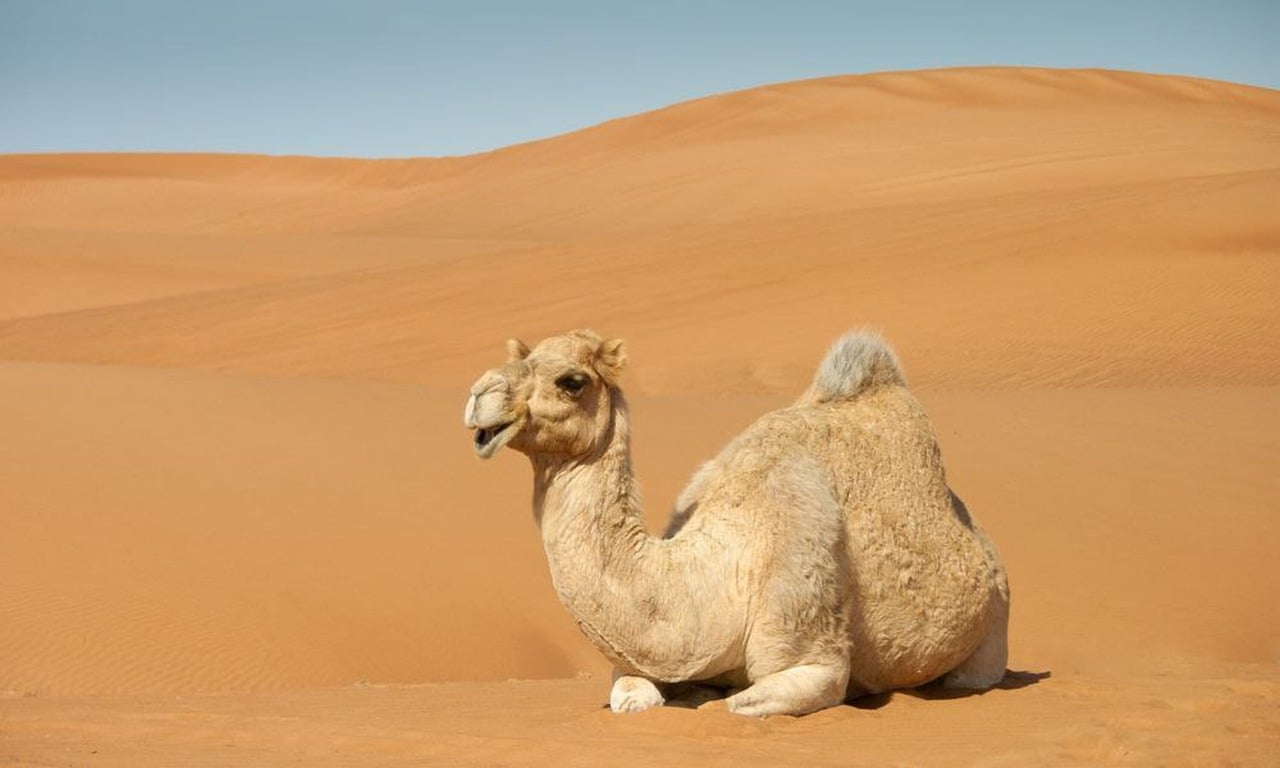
(693, 695)
(1012, 681)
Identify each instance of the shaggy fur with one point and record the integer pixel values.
(820, 556)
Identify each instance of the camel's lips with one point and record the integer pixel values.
(487, 438)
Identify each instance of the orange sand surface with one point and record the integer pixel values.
(242, 523)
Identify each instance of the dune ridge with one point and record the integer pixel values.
(241, 515)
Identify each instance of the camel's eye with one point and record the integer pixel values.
(572, 383)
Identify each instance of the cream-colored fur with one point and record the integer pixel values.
(820, 555)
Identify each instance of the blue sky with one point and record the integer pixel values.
(394, 78)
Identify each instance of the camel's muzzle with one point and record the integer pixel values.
(488, 413)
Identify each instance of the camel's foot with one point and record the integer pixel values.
(634, 694)
(794, 691)
(985, 666)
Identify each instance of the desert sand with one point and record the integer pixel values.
(243, 525)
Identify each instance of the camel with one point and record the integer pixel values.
(819, 557)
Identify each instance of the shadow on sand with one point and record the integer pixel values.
(693, 695)
(1012, 681)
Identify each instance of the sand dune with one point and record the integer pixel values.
(241, 515)
(1030, 209)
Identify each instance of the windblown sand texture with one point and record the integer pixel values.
(241, 523)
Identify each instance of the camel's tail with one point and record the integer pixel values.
(857, 362)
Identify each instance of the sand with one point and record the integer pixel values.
(242, 524)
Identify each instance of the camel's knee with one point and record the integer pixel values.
(634, 694)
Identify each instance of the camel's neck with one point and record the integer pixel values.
(615, 578)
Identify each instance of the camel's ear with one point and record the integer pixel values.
(611, 359)
(517, 350)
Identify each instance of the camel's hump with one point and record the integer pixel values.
(857, 362)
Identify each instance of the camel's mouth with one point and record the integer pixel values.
(490, 439)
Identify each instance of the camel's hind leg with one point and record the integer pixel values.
(793, 691)
(986, 665)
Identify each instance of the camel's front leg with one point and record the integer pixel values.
(633, 694)
(794, 691)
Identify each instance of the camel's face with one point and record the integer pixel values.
(554, 400)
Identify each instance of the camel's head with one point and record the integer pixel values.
(554, 400)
